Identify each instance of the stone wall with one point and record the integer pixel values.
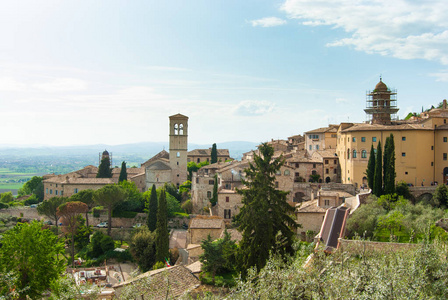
(358, 247)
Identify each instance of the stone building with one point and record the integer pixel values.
(201, 227)
(201, 155)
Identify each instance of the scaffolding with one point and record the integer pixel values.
(381, 106)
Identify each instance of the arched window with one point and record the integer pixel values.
(176, 129)
(348, 154)
(363, 154)
(286, 172)
(181, 129)
(178, 154)
(354, 153)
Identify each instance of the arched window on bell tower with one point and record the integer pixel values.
(181, 129)
(176, 129)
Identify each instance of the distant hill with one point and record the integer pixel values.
(137, 152)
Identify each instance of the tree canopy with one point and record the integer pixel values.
(32, 253)
(142, 248)
(33, 186)
(152, 209)
(123, 172)
(49, 208)
(162, 235)
(214, 155)
(265, 214)
(85, 196)
(109, 196)
(104, 170)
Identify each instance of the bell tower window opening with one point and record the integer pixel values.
(178, 154)
(176, 129)
(181, 129)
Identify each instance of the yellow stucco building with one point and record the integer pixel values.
(421, 144)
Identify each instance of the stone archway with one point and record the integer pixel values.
(328, 179)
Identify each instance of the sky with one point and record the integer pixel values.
(105, 71)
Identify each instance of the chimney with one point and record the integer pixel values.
(444, 103)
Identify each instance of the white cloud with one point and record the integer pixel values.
(402, 29)
(254, 108)
(268, 22)
(341, 100)
(441, 76)
(10, 84)
(62, 85)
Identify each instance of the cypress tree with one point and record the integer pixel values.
(152, 209)
(162, 236)
(123, 173)
(214, 155)
(389, 167)
(378, 179)
(104, 170)
(371, 168)
(265, 214)
(214, 198)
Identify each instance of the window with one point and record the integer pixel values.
(197, 179)
(317, 147)
(326, 161)
(178, 154)
(211, 182)
(334, 135)
(314, 166)
(228, 186)
(177, 163)
(432, 164)
(209, 194)
(46, 191)
(432, 147)
(278, 172)
(403, 154)
(311, 147)
(56, 185)
(55, 192)
(199, 160)
(444, 139)
(227, 199)
(363, 139)
(74, 191)
(353, 139)
(403, 138)
(51, 192)
(354, 154)
(405, 173)
(62, 193)
(335, 161)
(327, 202)
(276, 184)
(348, 154)
(374, 139)
(444, 158)
(335, 171)
(327, 171)
(314, 136)
(297, 165)
(227, 214)
(363, 154)
(286, 173)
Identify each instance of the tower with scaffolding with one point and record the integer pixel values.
(381, 104)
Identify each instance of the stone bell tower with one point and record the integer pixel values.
(178, 148)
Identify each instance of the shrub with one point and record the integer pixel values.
(124, 214)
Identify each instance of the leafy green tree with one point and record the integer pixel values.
(85, 196)
(364, 220)
(391, 221)
(214, 155)
(32, 253)
(378, 179)
(152, 209)
(70, 211)
(402, 189)
(142, 248)
(134, 200)
(184, 190)
(162, 236)
(187, 206)
(214, 198)
(82, 237)
(370, 172)
(33, 186)
(389, 165)
(194, 167)
(172, 190)
(109, 196)
(265, 212)
(104, 170)
(440, 196)
(6, 197)
(219, 255)
(49, 208)
(123, 172)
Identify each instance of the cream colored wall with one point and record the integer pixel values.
(441, 147)
(157, 177)
(330, 140)
(198, 235)
(413, 168)
(68, 189)
(200, 185)
(234, 203)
